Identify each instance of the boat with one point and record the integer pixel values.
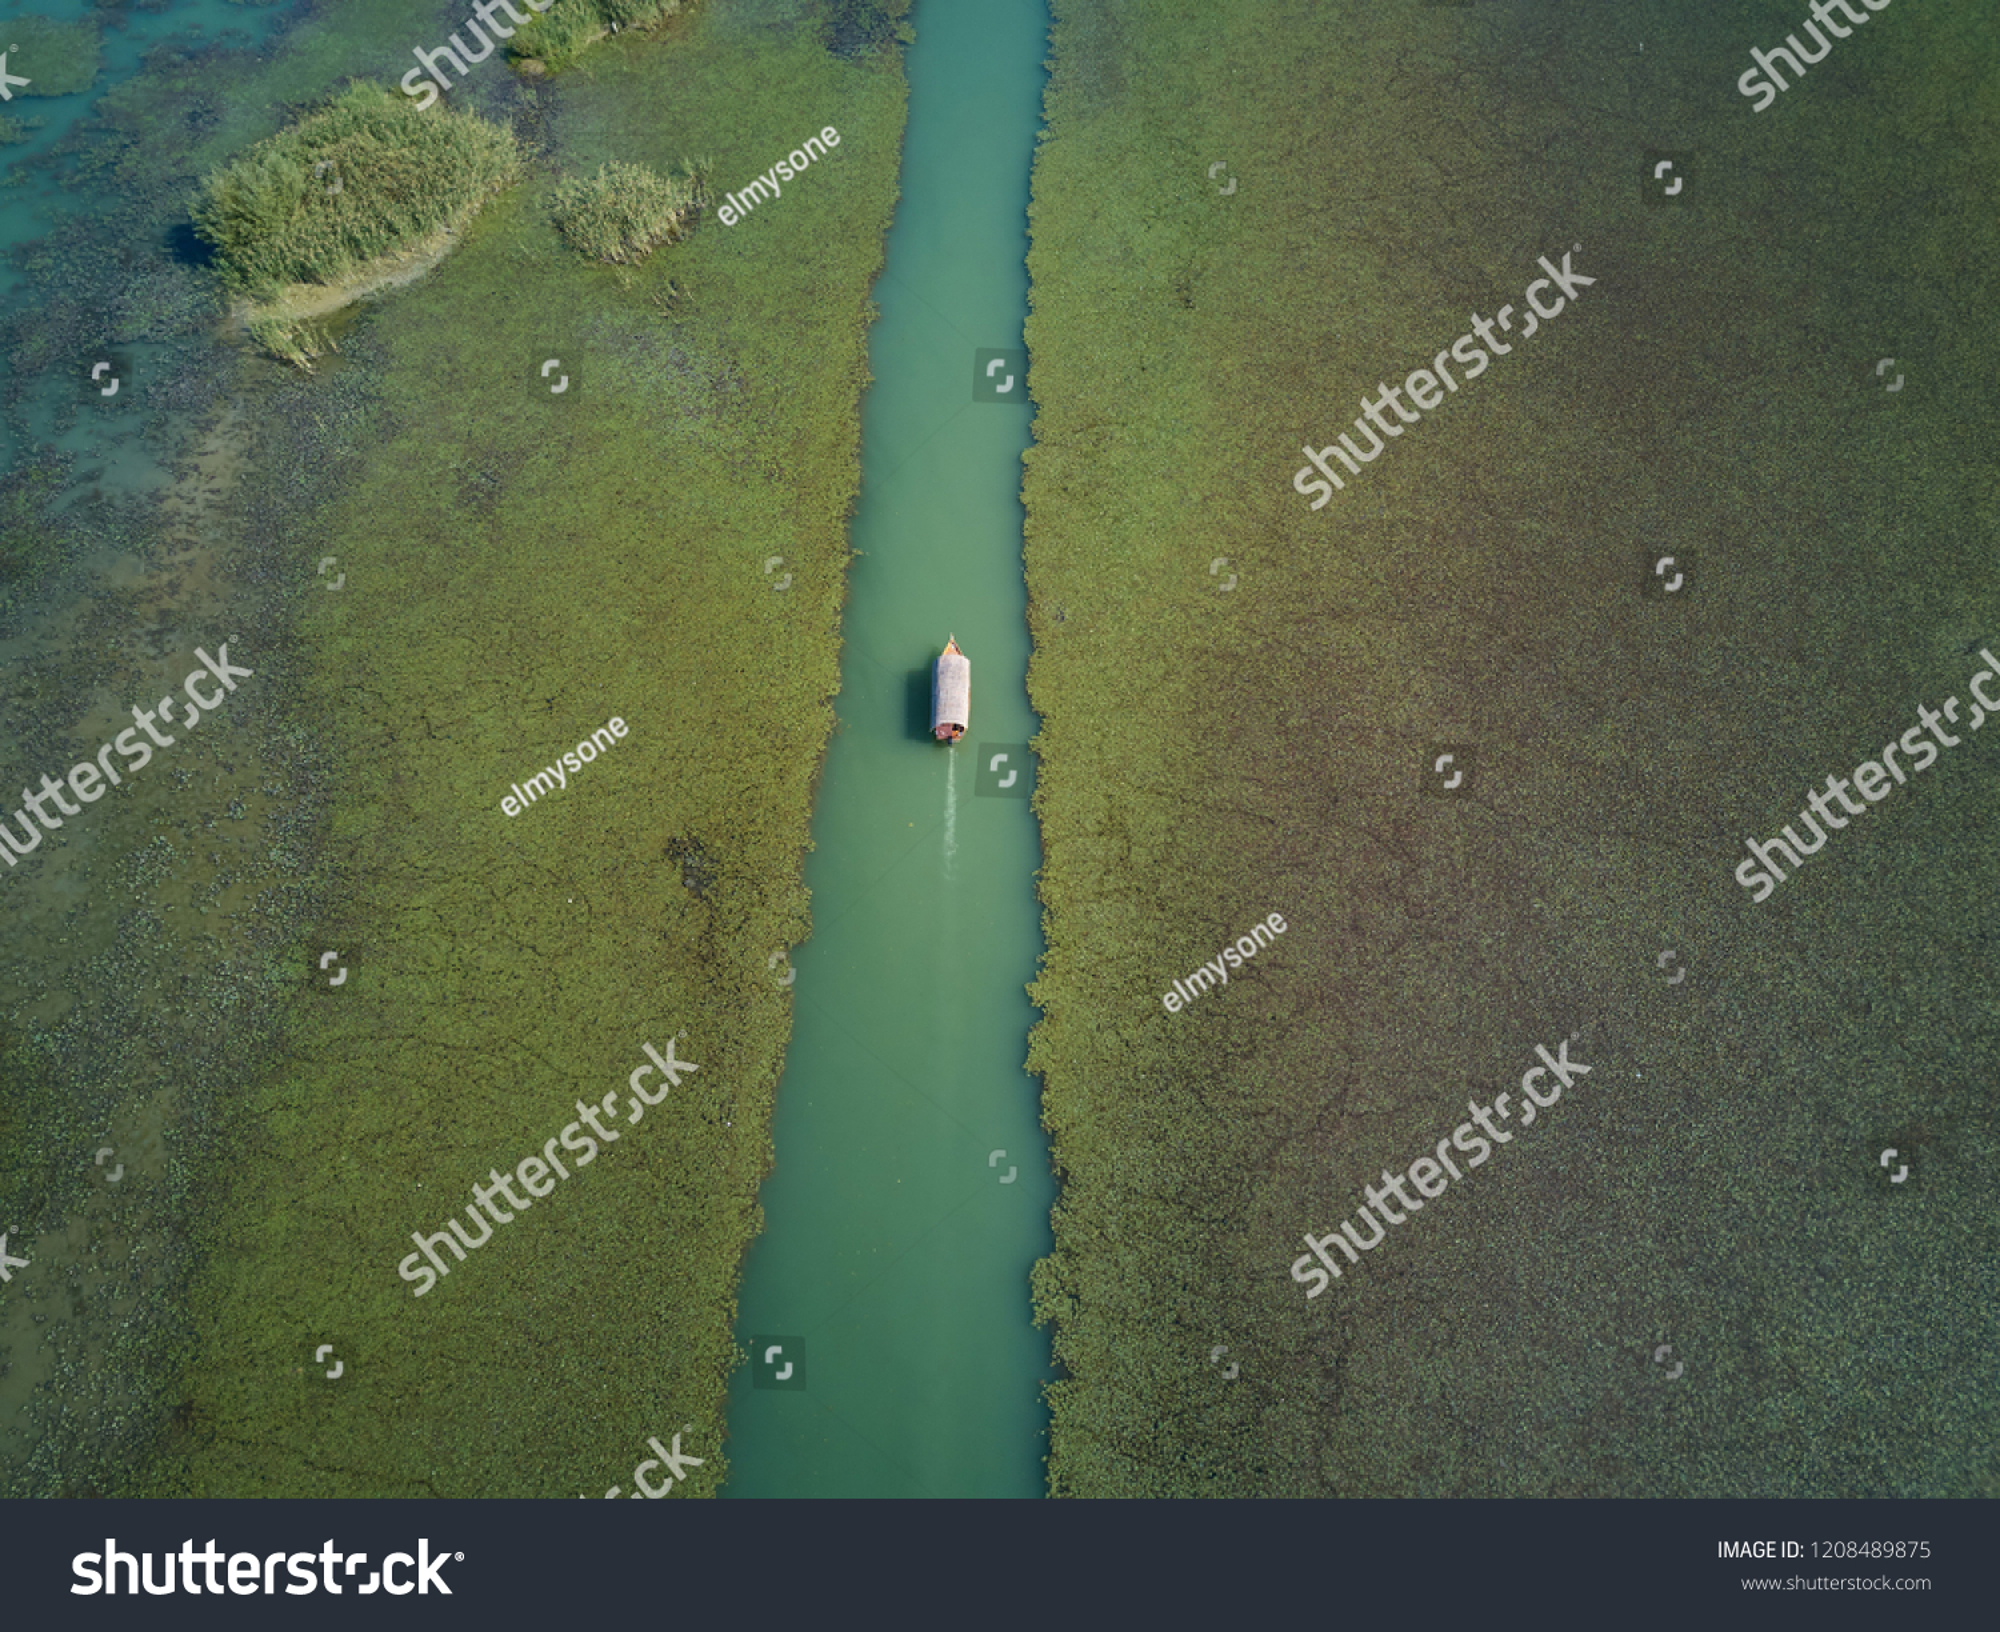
(951, 693)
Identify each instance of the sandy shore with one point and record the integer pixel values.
(302, 302)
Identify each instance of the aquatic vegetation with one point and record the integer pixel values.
(365, 178)
(163, 302)
(1264, 752)
(529, 949)
(625, 212)
(30, 1103)
(560, 35)
(58, 57)
(854, 28)
(24, 535)
(290, 340)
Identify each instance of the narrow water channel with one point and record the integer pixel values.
(885, 1308)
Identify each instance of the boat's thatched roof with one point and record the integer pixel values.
(951, 691)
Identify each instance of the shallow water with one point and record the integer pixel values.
(116, 934)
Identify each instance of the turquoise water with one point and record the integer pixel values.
(893, 1270)
(36, 194)
(124, 36)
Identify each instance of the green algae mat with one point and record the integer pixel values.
(1489, 725)
(557, 559)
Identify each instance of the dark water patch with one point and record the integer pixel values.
(699, 870)
(854, 28)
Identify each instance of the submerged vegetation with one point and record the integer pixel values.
(625, 212)
(290, 340)
(58, 57)
(342, 200)
(25, 492)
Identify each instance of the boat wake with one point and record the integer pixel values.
(950, 812)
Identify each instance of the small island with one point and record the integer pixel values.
(363, 195)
